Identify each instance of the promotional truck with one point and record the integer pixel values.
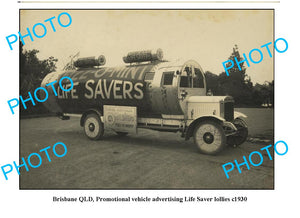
(148, 92)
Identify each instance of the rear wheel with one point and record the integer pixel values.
(209, 137)
(93, 127)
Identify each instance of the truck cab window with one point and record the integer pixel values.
(168, 78)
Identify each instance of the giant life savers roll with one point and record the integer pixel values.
(90, 61)
(142, 56)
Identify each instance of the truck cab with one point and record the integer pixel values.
(179, 94)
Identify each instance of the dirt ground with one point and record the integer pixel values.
(149, 160)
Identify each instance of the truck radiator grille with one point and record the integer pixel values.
(228, 111)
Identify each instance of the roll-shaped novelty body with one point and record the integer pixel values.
(155, 88)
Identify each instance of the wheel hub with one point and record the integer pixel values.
(208, 138)
(91, 127)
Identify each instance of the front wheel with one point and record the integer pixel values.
(209, 137)
(93, 127)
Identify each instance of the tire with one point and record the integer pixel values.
(122, 133)
(242, 134)
(93, 127)
(209, 137)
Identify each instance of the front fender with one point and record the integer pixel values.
(205, 117)
(239, 115)
(191, 124)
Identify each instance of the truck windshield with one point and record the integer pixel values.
(192, 78)
(186, 78)
(198, 81)
(184, 82)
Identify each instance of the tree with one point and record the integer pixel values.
(212, 83)
(32, 72)
(264, 94)
(238, 84)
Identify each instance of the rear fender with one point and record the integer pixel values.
(89, 112)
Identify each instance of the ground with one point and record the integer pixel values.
(149, 160)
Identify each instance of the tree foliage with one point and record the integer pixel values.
(238, 84)
(32, 72)
(264, 94)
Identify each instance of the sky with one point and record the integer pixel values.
(206, 36)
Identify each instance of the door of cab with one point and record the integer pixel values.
(169, 91)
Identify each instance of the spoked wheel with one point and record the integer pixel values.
(209, 137)
(93, 127)
(241, 135)
(122, 133)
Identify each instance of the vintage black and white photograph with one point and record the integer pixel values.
(146, 99)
